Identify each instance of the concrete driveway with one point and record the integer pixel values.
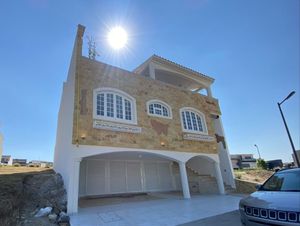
(163, 209)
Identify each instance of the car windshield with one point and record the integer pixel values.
(283, 181)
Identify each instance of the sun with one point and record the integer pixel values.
(117, 37)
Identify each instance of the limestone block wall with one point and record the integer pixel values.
(92, 74)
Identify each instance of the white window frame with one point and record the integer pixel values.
(162, 103)
(118, 92)
(196, 112)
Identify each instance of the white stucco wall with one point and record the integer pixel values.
(224, 156)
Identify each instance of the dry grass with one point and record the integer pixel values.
(253, 175)
(20, 169)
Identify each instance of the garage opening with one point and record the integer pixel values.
(126, 174)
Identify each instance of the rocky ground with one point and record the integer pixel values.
(22, 195)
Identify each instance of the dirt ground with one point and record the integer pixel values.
(253, 175)
(20, 169)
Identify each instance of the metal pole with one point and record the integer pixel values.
(289, 135)
(257, 150)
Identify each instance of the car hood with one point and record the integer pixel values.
(289, 201)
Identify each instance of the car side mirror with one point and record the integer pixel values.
(258, 187)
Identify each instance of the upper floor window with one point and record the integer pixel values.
(159, 108)
(114, 105)
(193, 121)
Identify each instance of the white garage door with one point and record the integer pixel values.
(121, 176)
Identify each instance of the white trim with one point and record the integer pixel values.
(115, 119)
(197, 112)
(156, 101)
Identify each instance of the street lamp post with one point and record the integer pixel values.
(257, 150)
(286, 127)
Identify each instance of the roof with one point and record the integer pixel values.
(159, 59)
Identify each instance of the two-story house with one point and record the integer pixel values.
(147, 130)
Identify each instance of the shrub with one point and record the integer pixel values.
(261, 164)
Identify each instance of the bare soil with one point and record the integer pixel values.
(253, 175)
(21, 169)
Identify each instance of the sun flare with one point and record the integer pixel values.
(117, 37)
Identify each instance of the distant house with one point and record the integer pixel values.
(38, 163)
(21, 162)
(243, 161)
(272, 164)
(6, 160)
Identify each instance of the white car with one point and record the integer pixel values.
(276, 202)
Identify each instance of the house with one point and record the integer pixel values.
(6, 160)
(273, 164)
(38, 163)
(147, 130)
(243, 161)
(19, 162)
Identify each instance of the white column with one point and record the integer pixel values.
(74, 187)
(219, 178)
(184, 181)
(209, 93)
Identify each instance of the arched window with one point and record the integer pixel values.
(159, 108)
(193, 121)
(114, 105)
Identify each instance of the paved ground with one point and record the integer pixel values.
(165, 210)
(226, 219)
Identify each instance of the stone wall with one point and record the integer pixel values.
(93, 74)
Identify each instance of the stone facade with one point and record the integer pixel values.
(155, 131)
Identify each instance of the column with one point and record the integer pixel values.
(184, 181)
(74, 187)
(219, 178)
(209, 93)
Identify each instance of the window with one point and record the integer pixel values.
(114, 105)
(193, 121)
(159, 108)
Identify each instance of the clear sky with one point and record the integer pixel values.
(251, 48)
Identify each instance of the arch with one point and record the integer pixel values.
(193, 121)
(209, 166)
(162, 110)
(111, 104)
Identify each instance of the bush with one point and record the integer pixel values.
(238, 176)
(261, 164)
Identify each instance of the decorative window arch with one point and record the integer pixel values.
(112, 104)
(159, 108)
(193, 121)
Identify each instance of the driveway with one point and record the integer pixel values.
(226, 219)
(163, 209)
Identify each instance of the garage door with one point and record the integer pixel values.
(122, 176)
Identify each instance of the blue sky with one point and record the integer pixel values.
(251, 48)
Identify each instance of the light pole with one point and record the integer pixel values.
(255, 145)
(286, 127)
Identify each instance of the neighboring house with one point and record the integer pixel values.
(272, 164)
(6, 160)
(142, 131)
(243, 161)
(38, 163)
(21, 162)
